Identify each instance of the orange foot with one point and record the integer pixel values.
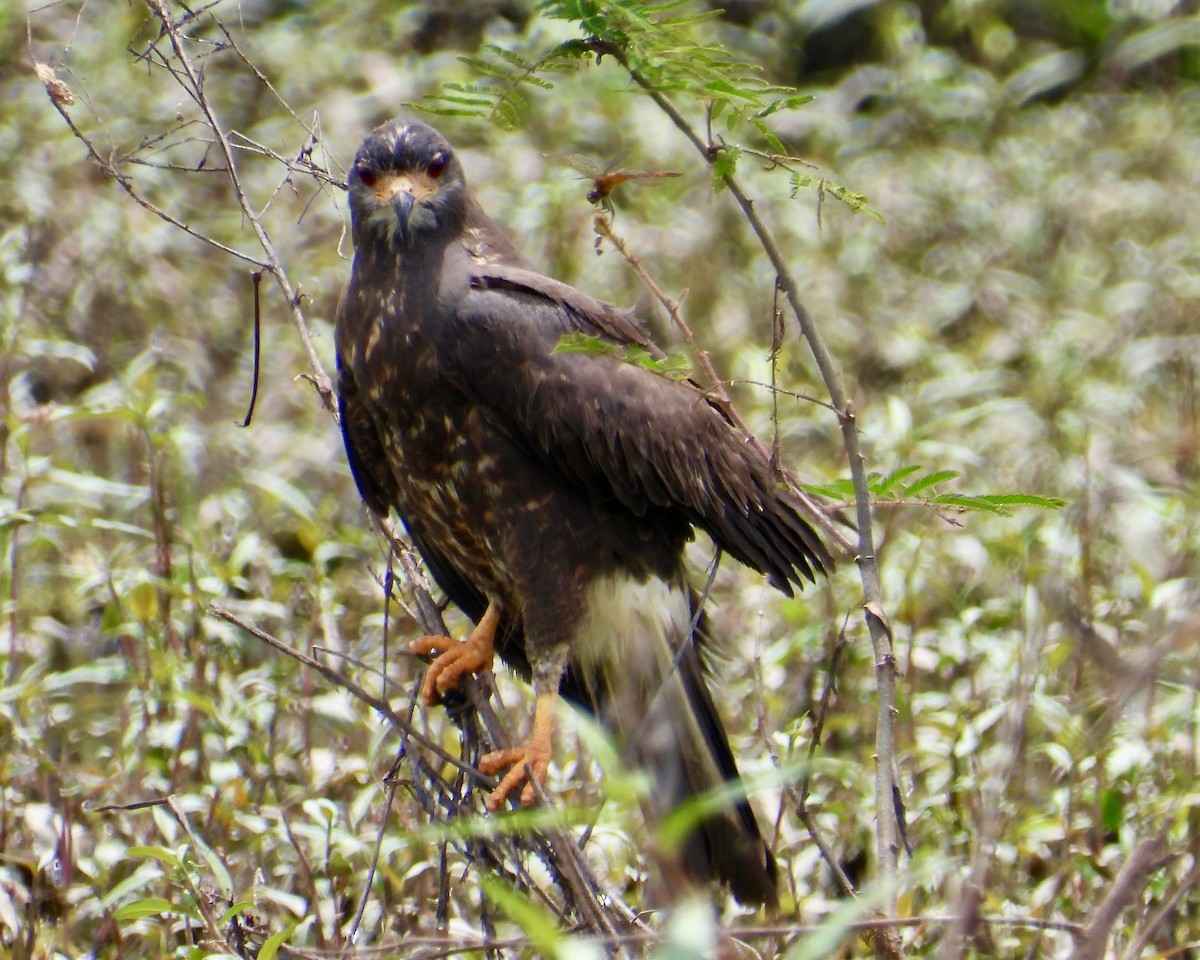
(473, 655)
(533, 756)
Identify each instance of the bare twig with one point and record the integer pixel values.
(274, 265)
(799, 793)
(256, 281)
(340, 680)
(602, 913)
(390, 782)
(203, 902)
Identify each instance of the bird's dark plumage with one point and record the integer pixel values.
(551, 493)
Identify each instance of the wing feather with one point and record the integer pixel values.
(616, 430)
(364, 449)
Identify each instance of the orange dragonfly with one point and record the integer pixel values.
(605, 181)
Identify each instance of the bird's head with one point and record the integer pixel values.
(406, 186)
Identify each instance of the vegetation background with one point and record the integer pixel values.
(1026, 318)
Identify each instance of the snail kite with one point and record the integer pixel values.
(550, 493)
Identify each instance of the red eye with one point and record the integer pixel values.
(367, 176)
(437, 166)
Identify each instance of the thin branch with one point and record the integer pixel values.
(293, 164)
(799, 793)
(256, 281)
(202, 901)
(451, 946)
(356, 691)
(1164, 911)
(274, 265)
(887, 832)
(603, 913)
(113, 172)
(1143, 860)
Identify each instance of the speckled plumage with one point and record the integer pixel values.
(560, 488)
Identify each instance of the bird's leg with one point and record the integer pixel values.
(474, 655)
(532, 759)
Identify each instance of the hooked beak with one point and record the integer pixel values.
(402, 205)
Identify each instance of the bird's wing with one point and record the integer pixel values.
(617, 430)
(364, 449)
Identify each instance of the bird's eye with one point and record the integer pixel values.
(437, 166)
(367, 177)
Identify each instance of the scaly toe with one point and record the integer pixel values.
(431, 646)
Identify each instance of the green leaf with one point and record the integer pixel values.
(837, 490)
(929, 480)
(217, 867)
(588, 343)
(783, 103)
(272, 944)
(535, 920)
(672, 366)
(1023, 500)
(725, 164)
(880, 486)
(965, 502)
(997, 503)
(155, 852)
(150, 907)
(1112, 809)
(677, 825)
(238, 908)
(857, 202)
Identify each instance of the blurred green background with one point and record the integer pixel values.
(1027, 317)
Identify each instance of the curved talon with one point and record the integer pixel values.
(474, 655)
(533, 757)
(520, 760)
